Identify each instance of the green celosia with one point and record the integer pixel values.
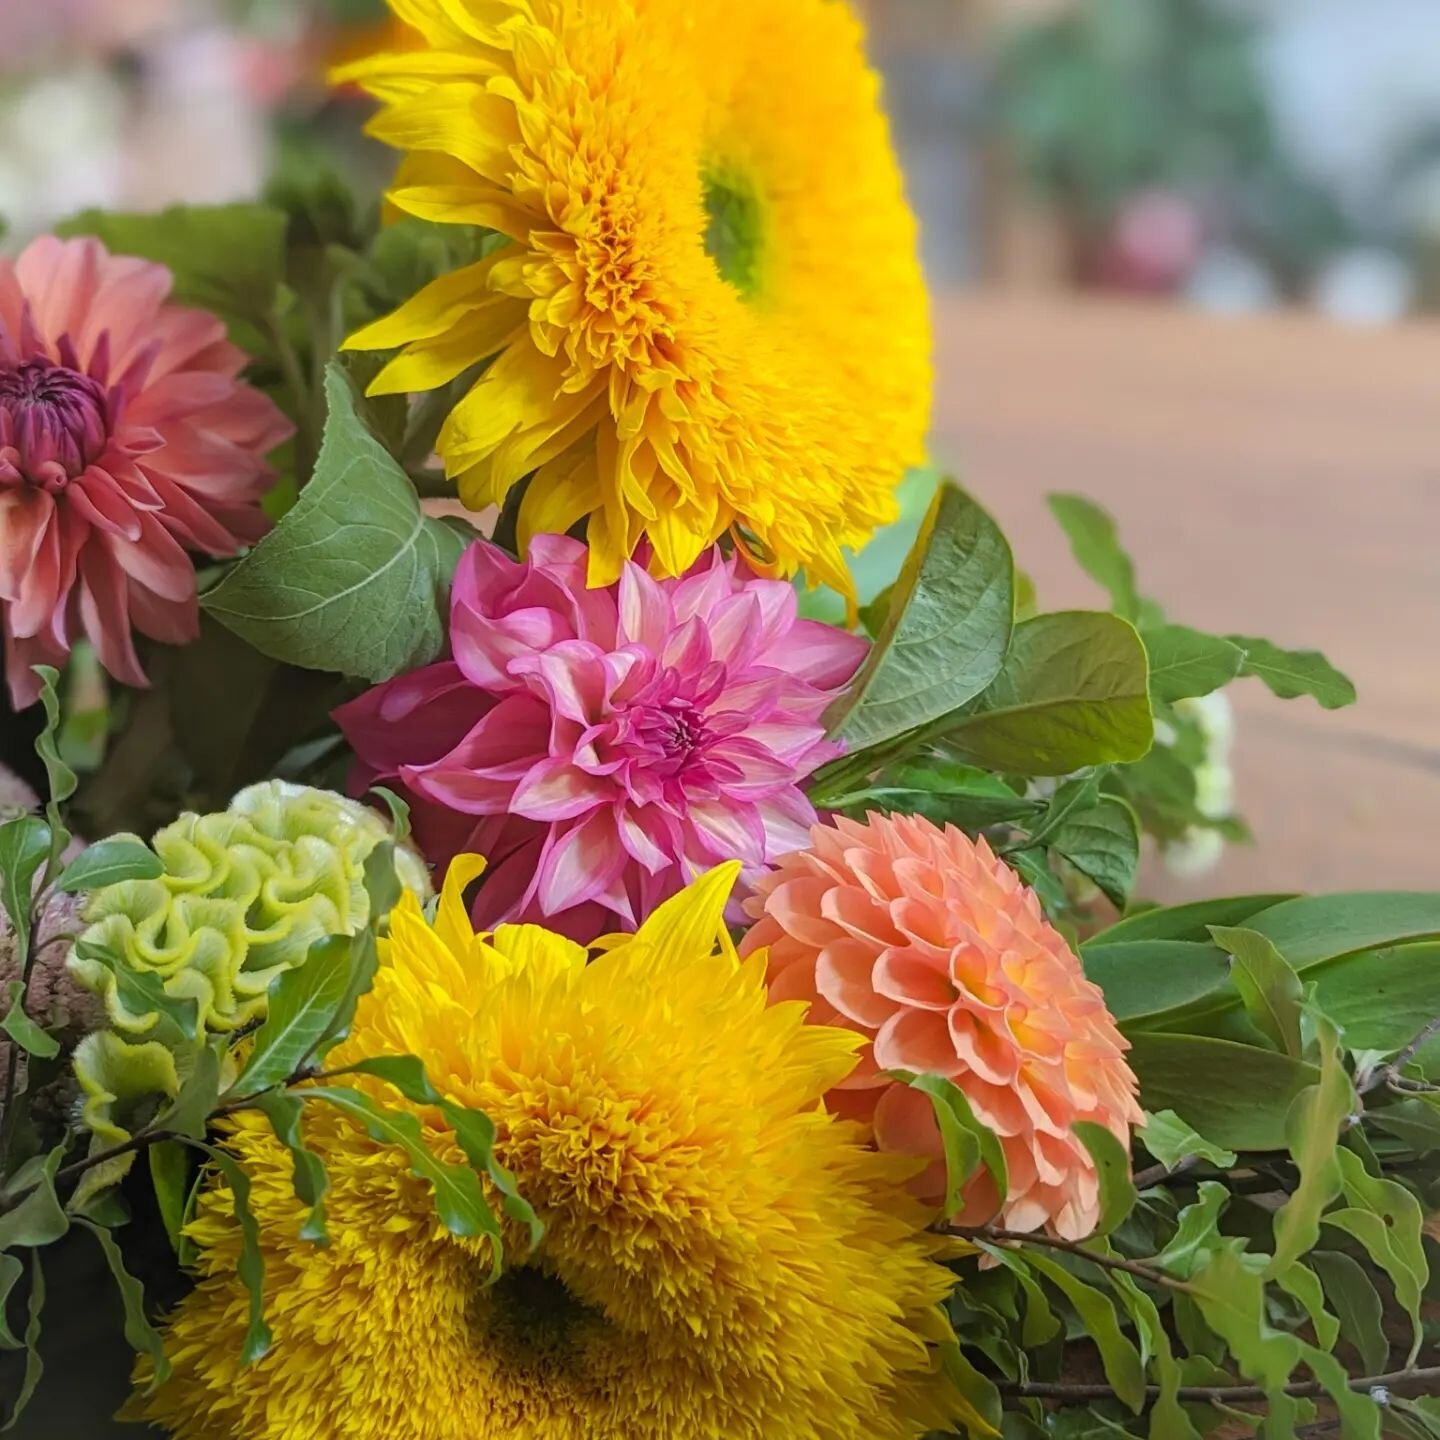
(244, 895)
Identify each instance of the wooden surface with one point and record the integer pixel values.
(1277, 476)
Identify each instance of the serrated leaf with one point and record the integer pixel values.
(144, 1339)
(1097, 550)
(1102, 841)
(1186, 663)
(251, 1266)
(24, 849)
(23, 1030)
(1292, 673)
(1313, 1127)
(34, 1365)
(967, 1142)
(1171, 1141)
(1197, 1233)
(39, 1219)
(1073, 692)
(354, 578)
(1302, 1284)
(946, 630)
(303, 1005)
(284, 1109)
(107, 862)
(11, 1269)
(1269, 987)
(170, 1180)
(1112, 1165)
(60, 779)
(1356, 1303)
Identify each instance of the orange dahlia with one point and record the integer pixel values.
(922, 940)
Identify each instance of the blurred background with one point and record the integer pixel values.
(1185, 257)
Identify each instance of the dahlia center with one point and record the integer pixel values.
(734, 230)
(53, 423)
(533, 1318)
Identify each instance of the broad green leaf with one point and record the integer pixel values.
(1097, 550)
(1304, 1285)
(1143, 978)
(1112, 1165)
(968, 1144)
(356, 546)
(284, 1109)
(1185, 662)
(941, 790)
(363, 965)
(1070, 796)
(1187, 922)
(382, 883)
(1356, 1302)
(1170, 1140)
(107, 862)
(189, 1114)
(1102, 842)
(1415, 1121)
(251, 1267)
(1291, 673)
(1231, 1295)
(474, 1131)
(1123, 1367)
(1317, 1118)
(1073, 692)
(1197, 1234)
(24, 849)
(303, 1004)
(946, 632)
(23, 1030)
(34, 1366)
(1237, 1095)
(60, 779)
(228, 259)
(143, 992)
(1314, 928)
(1269, 989)
(143, 1337)
(1381, 999)
(170, 1179)
(39, 1219)
(459, 1200)
(11, 1269)
(980, 1408)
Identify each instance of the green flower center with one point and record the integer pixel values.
(533, 1317)
(734, 234)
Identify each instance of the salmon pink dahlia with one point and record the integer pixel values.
(922, 940)
(126, 440)
(602, 747)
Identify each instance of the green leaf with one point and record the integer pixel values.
(107, 862)
(968, 1144)
(60, 779)
(1112, 1165)
(946, 631)
(170, 1179)
(23, 1030)
(24, 849)
(1171, 1141)
(283, 1109)
(228, 259)
(144, 1339)
(143, 992)
(11, 1269)
(303, 1005)
(363, 965)
(1357, 1304)
(1187, 922)
(1302, 1284)
(1313, 1128)
(382, 883)
(980, 1410)
(1121, 1360)
(39, 1219)
(1291, 673)
(190, 1113)
(1073, 692)
(459, 1200)
(1097, 550)
(1388, 1221)
(251, 1267)
(1315, 928)
(1185, 662)
(399, 812)
(1269, 989)
(1145, 978)
(941, 790)
(34, 1365)
(1102, 841)
(1197, 1232)
(356, 546)
(1238, 1095)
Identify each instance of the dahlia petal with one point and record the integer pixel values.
(580, 864)
(844, 975)
(557, 789)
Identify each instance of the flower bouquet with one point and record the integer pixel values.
(528, 975)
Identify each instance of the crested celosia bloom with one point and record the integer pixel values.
(721, 1257)
(126, 441)
(707, 312)
(604, 746)
(923, 941)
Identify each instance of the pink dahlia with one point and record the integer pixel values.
(922, 940)
(603, 746)
(126, 440)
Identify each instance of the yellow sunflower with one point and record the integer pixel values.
(721, 1257)
(709, 315)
